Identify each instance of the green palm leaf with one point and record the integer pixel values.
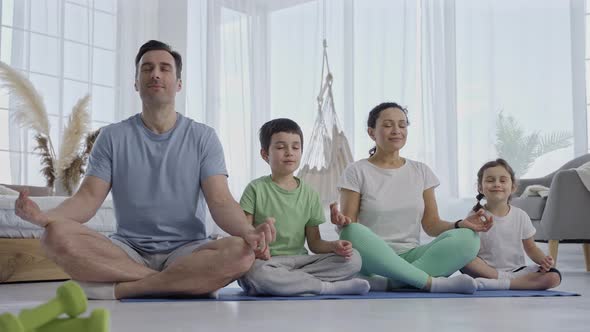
(554, 141)
(521, 150)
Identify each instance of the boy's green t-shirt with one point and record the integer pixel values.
(292, 210)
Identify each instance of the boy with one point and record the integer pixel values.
(285, 268)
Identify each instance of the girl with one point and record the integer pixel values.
(500, 263)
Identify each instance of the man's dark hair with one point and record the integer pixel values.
(277, 126)
(155, 45)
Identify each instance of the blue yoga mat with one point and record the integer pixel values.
(236, 294)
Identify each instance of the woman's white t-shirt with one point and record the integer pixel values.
(392, 202)
(501, 247)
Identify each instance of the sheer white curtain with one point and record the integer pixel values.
(455, 64)
(138, 23)
(262, 60)
(67, 49)
(228, 86)
(14, 15)
(399, 51)
(514, 57)
(439, 92)
(386, 62)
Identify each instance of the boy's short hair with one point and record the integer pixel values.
(277, 126)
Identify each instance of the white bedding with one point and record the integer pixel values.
(12, 226)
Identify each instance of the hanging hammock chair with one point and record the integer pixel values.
(328, 152)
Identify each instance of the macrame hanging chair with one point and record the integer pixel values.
(328, 152)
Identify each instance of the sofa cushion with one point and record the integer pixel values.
(532, 205)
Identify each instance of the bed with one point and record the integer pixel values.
(21, 257)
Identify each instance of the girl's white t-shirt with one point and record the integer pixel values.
(392, 202)
(501, 247)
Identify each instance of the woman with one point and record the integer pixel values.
(385, 199)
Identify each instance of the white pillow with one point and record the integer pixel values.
(535, 190)
(7, 191)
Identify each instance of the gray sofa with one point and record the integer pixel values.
(563, 216)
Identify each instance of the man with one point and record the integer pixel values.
(161, 167)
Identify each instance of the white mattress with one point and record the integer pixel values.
(12, 226)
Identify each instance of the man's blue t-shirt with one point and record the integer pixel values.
(156, 180)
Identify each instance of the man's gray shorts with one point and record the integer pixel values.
(159, 262)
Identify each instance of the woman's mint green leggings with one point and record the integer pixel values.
(446, 254)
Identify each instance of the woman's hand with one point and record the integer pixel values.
(478, 222)
(338, 218)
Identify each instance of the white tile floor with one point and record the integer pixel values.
(479, 314)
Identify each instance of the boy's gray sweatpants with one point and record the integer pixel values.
(297, 275)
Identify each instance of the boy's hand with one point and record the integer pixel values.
(264, 254)
(260, 237)
(546, 263)
(343, 248)
(478, 222)
(28, 210)
(338, 218)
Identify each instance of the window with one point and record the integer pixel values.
(513, 68)
(457, 66)
(67, 48)
(588, 66)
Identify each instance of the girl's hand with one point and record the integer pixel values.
(338, 218)
(343, 248)
(478, 222)
(546, 263)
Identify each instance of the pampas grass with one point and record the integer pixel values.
(90, 138)
(67, 168)
(70, 164)
(77, 127)
(29, 107)
(72, 175)
(47, 168)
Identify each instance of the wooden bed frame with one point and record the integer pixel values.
(23, 259)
